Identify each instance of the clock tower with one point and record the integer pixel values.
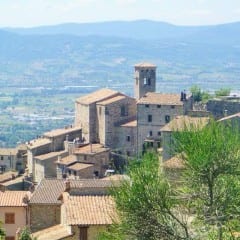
(145, 79)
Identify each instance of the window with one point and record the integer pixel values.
(145, 81)
(124, 111)
(167, 118)
(172, 106)
(128, 138)
(128, 153)
(149, 81)
(10, 218)
(75, 173)
(83, 233)
(158, 106)
(159, 133)
(149, 118)
(150, 133)
(85, 157)
(2, 158)
(147, 105)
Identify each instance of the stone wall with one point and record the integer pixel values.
(222, 107)
(43, 216)
(112, 115)
(159, 117)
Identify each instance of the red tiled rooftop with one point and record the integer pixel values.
(13, 198)
(90, 210)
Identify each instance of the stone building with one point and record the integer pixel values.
(46, 201)
(100, 112)
(154, 110)
(88, 161)
(224, 106)
(53, 141)
(12, 159)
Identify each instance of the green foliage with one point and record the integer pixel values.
(25, 234)
(212, 160)
(199, 95)
(146, 205)
(222, 92)
(2, 232)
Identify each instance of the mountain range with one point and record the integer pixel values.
(74, 54)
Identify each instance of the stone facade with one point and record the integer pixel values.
(145, 79)
(224, 106)
(44, 216)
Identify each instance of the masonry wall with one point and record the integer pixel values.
(158, 113)
(126, 140)
(43, 216)
(219, 108)
(82, 118)
(113, 117)
(100, 161)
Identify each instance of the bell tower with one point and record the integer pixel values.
(145, 79)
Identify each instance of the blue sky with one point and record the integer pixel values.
(27, 13)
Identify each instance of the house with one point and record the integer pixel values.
(12, 159)
(14, 211)
(53, 141)
(179, 123)
(86, 161)
(45, 199)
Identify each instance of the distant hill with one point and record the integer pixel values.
(90, 53)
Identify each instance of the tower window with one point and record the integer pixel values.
(145, 81)
(147, 105)
(128, 138)
(150, 133)
(167, 118)
(149, 118)
(149, 81)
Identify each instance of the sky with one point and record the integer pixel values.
(29, 13)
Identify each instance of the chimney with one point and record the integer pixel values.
(59, 158)
(67, 185)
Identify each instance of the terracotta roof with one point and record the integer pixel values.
(90, 210)
(68, 160)
(181, 122)
(79, 166)
(97, 96)
(13, 198)
(130, 124)
(7, 176)
(49, 155)
(237, 115)
(49, 190)
(38, 142)
(173, 163)
(112, 100)
(54, 233)
(8, 151)
(61, 131)
(145, 64)
(91, 149)
(161, 99)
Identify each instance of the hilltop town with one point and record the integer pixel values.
(64, 175)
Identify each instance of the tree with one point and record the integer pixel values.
(2, 232)
(198, 94)
(147, 206)
(25, 234)
(222, 92)
(212, 159)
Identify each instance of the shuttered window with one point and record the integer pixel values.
(83, 234)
